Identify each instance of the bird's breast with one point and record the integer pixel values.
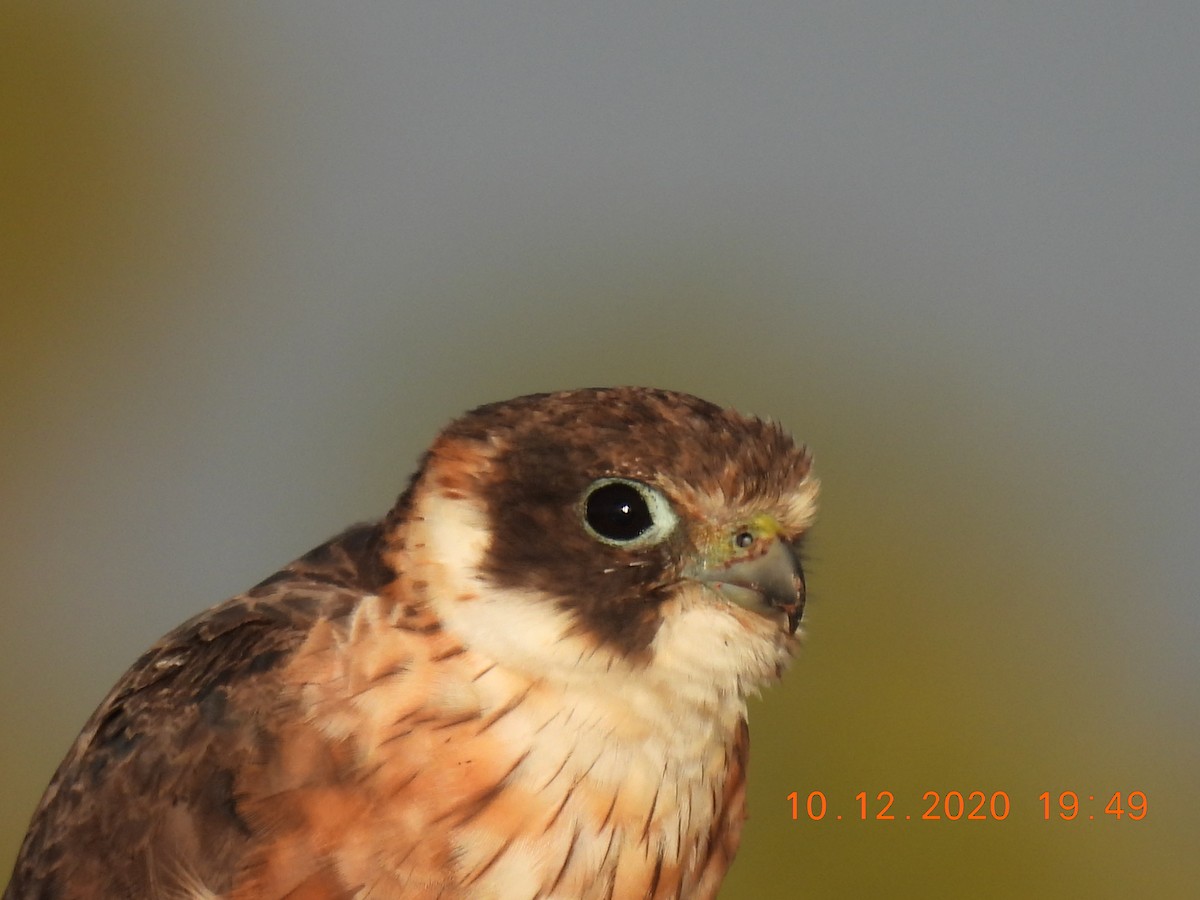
(419, 757)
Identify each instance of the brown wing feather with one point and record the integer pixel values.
(144, 803)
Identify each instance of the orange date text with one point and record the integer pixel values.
(966, 806)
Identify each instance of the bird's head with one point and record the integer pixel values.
(576, 532)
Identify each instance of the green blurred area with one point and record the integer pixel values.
(992, 607)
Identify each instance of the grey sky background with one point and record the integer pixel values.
(255, 255)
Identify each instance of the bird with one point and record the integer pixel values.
(529, 678)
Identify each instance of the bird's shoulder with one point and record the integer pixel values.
(193, 712)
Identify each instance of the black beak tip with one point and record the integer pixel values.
(795, 608)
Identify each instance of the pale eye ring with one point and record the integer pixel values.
(625, 513)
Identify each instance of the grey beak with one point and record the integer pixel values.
(768, 584)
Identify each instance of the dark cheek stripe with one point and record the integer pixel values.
(612, 600)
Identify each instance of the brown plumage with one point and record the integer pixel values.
(528, 680)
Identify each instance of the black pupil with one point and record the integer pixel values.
(618, 512)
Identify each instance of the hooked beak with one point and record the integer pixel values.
(768, 582)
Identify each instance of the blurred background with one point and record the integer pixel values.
(253, 256)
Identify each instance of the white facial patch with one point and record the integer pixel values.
(708, 647)
(521, 629)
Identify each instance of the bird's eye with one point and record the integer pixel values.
(626, 513)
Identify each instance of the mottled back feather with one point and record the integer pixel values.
(146, 794)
